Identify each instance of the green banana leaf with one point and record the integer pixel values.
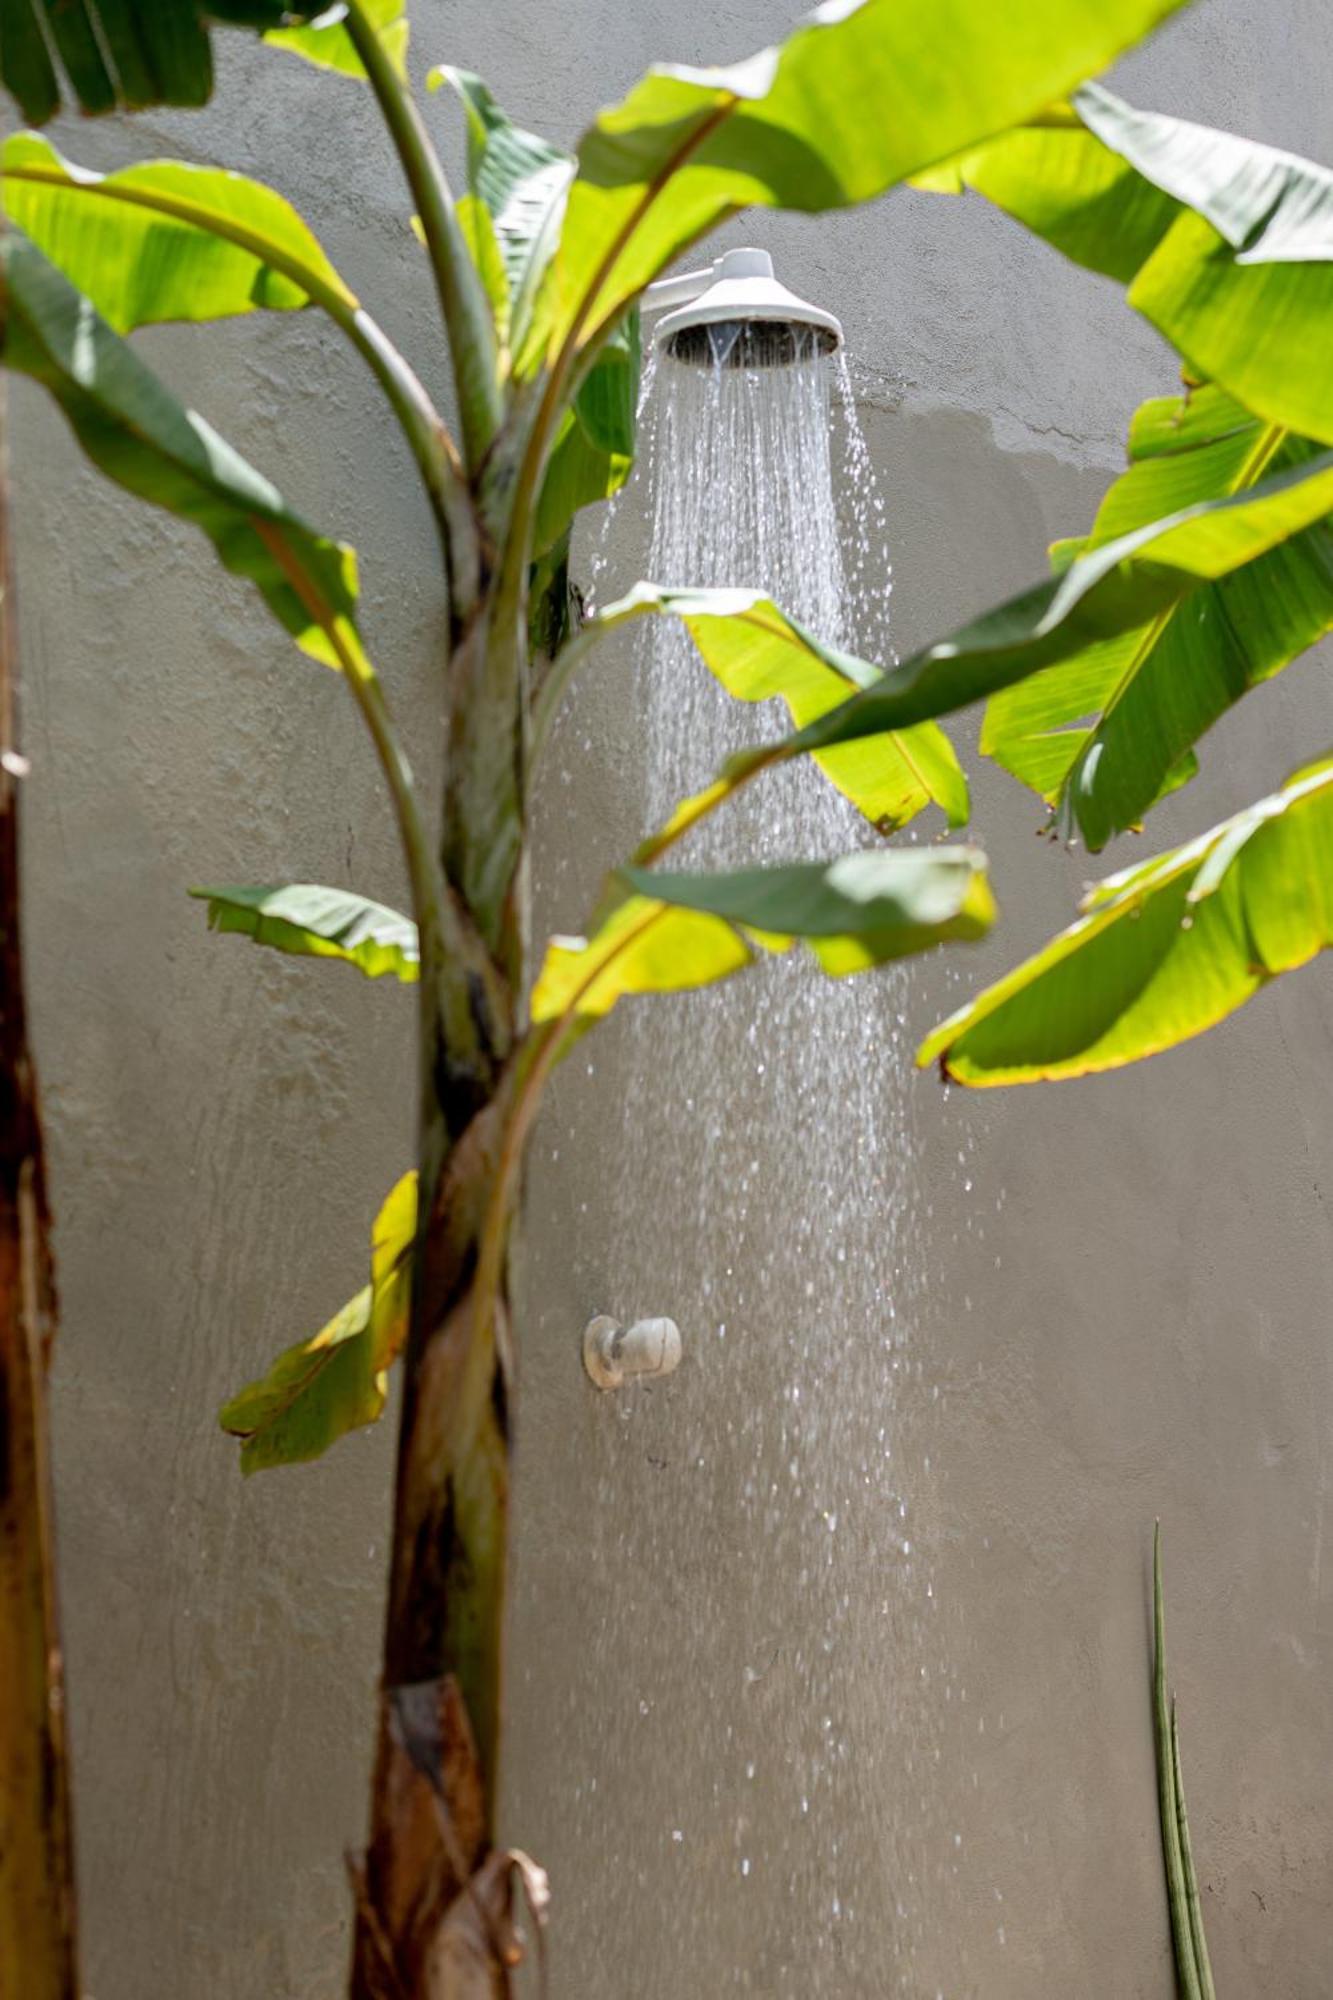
(321, 1388)
(859, 97)
(311, 921)
(522, 182)
(121, 55)
(1102, 735)
(1102, 593)
(165, 240)
(520, 179)
(327, 44)
(578, 474)
(477, 227)
(670, 932)
(1226, 245)
(1163, 950)
(758, 653)
(142, 438)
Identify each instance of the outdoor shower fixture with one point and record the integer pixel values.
(614, 1354)
(736, 314)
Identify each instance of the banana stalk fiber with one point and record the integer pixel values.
(37, 1940)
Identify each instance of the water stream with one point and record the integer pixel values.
(767, 1657)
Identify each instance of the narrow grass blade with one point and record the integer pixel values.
(1197, 1938)
(1177, 1895)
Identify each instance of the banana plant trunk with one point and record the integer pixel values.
(37, 1927)
(437, 1903)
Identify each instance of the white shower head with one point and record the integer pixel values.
(737, 313)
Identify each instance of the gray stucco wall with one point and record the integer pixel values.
(1126, 1315)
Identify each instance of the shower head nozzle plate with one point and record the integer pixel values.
(745, 318)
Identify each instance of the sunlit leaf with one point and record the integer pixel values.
(521, 182)
(759, 654)
(314, 1393)
(319, 1389)
(1111, 728)
(144, 440)
(1226, 245)
(520, 178)
(312, 921)
(483, 246)
(1164, 950)
(1243, 285)
(578, 474)
(1104, 592)
(164, 240)
(327, 44)
(391, 1272)
(860, 910)
(858, 97)
(675, 931)
(644, 946)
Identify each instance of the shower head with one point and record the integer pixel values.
(737, 315)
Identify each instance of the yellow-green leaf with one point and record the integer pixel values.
(857, 98)
(391, 1244)
(1105, 733)
(312, 921)
(483, 246)
(314, 1393)
(643, 946)
(327, 44)
(1107, 590)
(759, 654)
(319, 1389)
(1163, 950)
(1226, 245)
(670, 932)
(147, 442)
(165, 240)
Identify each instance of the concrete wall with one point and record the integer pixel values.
(1124, 1315)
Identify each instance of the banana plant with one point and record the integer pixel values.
(1226, 247)
(538, 268)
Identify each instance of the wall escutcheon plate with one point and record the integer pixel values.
(614, 1354)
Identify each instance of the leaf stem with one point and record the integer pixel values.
(467, 315)
(556, 684)
(559, 382)
(421, 423)
(457, 984)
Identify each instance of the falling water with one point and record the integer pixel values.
(762, 1651)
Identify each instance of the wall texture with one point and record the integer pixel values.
(1125, 1283)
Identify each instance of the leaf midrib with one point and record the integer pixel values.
(755, 619)
(336, 298)
(1269, 441)
(416, 413)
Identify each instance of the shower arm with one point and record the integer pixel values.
(681, 291)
